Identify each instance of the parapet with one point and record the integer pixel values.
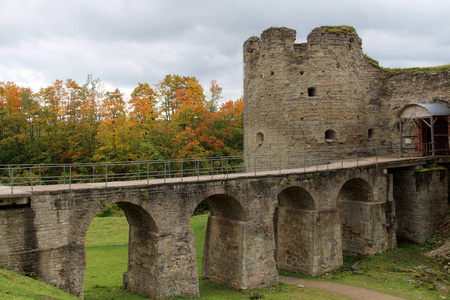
(282, 39)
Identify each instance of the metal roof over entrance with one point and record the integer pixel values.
(428, 114)
(423, 110)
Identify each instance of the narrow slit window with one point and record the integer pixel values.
(370, 133)
(311, 92)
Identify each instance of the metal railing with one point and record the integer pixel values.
(71, 174)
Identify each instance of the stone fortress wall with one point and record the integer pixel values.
(325, 93)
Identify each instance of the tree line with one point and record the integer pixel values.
(68, 122)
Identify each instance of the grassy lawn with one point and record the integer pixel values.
(17, 287)
(404, 272)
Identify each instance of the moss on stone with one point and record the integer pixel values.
(426, 70)
(398, 71)
(345, 29)
(438, 168)
(372, 61)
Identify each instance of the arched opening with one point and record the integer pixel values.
(259, 138)
(120, 252)
(356, 189)
(223, 250)
(353, 200)
(330, 135)
(294, 221)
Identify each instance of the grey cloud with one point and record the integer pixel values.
(126, 42)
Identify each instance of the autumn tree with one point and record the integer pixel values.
(215, 95)
(175, 91)
(67, 122)
(115, 133)
(15, 121)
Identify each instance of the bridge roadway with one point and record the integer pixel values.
(383, 161)
(303, 220)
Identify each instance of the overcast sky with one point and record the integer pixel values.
(126, 42)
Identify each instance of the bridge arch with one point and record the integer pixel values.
(143, 242)
(356, 189)
(354, 204)
(294, 229)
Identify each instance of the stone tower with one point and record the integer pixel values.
(325, 93)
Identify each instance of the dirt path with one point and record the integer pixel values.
(352, 292)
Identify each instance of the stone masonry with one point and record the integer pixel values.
(304, 222)
(325, 93)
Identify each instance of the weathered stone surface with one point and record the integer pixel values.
(421, 201)
(325, 93)
(302, 222)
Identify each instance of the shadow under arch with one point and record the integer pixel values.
(294, 227)
(354, 204)
(142, 253)
(356, 189)
(223, 251)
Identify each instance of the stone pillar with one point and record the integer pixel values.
(364, 228)
(259, 263)
(239, 254)
(223, 253)
(162, 265)
(296, 233)
(327, 245)
(420, 201)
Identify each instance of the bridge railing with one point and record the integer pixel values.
(72, 174)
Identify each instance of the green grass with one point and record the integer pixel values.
(14, 286)
(404, 272)
(110, 230)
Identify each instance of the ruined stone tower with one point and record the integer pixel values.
(325, 93)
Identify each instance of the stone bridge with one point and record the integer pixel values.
(298, 220)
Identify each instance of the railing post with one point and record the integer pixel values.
(227, 167)
(212, 171)
(64, 174)
(106, 176)
(31, 178)
(197, 169)
(93, 173)
(139, 171)
(70, 177)
(317, 161)
(169, 168)
(11, 179)
(279, 162)
(165, 168)
(40, 177)
(148, 174)
(304, 162)
(182, 175)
